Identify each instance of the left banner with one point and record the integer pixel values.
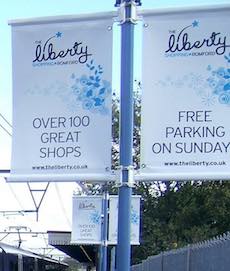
(62, 72)
(87, 213)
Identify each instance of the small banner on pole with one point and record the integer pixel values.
(62, 70)
(135, 220)
(186, 94)
(86, 222)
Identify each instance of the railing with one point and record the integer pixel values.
(211, 255)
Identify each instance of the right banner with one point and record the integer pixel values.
(186, 94)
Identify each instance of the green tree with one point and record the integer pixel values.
(195, 212)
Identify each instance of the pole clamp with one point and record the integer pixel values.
(129, 182)
(124, 16)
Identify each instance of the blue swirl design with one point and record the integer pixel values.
(95, 217)
(219, 82)
(134, 217)
(58, 90)
(91, 90)
(213, 88)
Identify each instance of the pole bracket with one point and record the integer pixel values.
(129, 182)
(124, 16)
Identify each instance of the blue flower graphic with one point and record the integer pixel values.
(134, 217)
(95, 217)
(212, 88)
(91, 90)
(224, 98)
(208, 99)
(219, 82)
(84, 80)
(76, 89)
(87, 104)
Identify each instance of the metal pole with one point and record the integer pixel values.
(188, 258)
(112, 259)
(162, 261)
(126, 136)
(100, 257)
(105, 228)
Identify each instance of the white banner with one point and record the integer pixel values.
(62, 74)
(135, 220)
(186, 95)
(86, 222)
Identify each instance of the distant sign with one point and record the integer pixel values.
(134, 223)
(62, 70)
(186, 95)
(86, 222)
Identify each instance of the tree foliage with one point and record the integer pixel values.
(196, 211)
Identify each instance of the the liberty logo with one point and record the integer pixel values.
(85, 205)
(182, 43)
(46, 52)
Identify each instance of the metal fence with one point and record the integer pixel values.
(211, 255)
